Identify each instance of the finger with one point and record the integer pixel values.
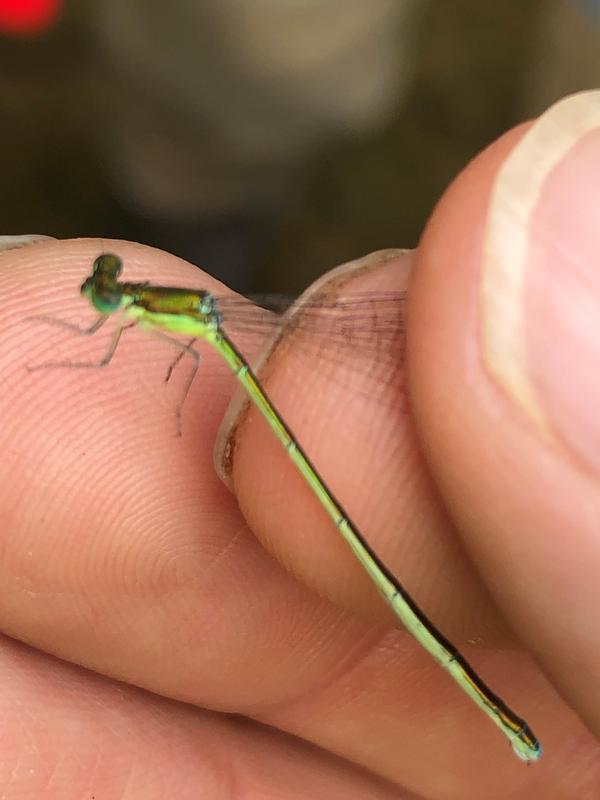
(120, 545)
(139, 624)
(375, 460)
(350, 408)
(505, 383)
(122, 551)
(67, 733)
(362, 444)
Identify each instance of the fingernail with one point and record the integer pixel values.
(338, 277)
(12, 242)
(541, 275)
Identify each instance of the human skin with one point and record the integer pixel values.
(144, 604)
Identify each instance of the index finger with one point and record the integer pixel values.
(123, 552)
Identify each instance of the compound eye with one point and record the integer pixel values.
(106, 297)
(108, 300)
(107, 266)
(102, 287)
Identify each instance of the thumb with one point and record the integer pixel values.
(506, 384)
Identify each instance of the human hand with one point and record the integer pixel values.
(122, 551)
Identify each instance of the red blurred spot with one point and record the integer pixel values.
(28, 16)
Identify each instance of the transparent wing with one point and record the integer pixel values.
(351, 337)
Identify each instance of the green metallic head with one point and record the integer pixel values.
(102, 288)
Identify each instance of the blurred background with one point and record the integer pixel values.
(266, 141)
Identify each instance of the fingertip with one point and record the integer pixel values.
(527, 511)
(96, 489)
(356, 428)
